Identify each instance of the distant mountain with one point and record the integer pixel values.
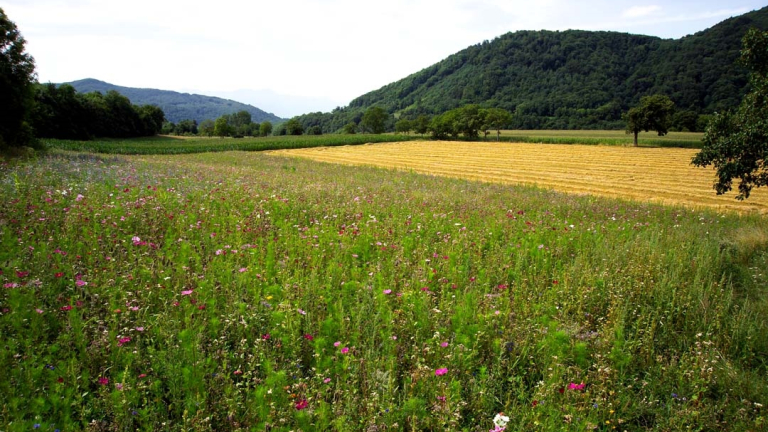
(178, 106)
(570, 79)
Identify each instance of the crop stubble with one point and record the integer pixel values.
(650, 174)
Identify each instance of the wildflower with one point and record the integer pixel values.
(139, 329)
(265, 336)
(344, 350)
(59, 274)
(66, 308)
(243, 270)
(11, 285)
(441, 371)
(444, 344)
(238, 372)
(394, 337)
(337, 343)
(300, 405)
(327, 380)
(574, 386)
(136, 240)
(39, 311)
(301, 311)
(79, 197)
(186, 292)
(103, 380)
(22, 274)
(36, 426)
(81, 282)
(123, 341)
(308, 337)
(219, 252)
(387, 291)
(500, 420)
(142, 375)
(441, 398)
(119, 386)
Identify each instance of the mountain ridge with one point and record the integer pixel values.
(177, 106)
(572, 79)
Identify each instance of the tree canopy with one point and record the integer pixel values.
(736, 143)
(653, 113)
(17, 78)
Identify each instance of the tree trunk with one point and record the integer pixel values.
(635, 138)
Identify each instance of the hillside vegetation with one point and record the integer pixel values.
(572, 79)
(177, 106)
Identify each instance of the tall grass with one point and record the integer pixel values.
(237, 291)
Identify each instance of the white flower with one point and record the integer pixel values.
(500, 420)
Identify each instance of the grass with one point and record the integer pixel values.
(657, 174)
(243, 291)
(602, 137)
(187, 145)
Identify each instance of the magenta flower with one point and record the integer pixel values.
(574, 386)
(103, 380)
(186, 292)
(300, 405)
(344, 350)
(337, 343)
(387, 291)
(444, 344)
(79, 197)
(81, 282)
(123, 341)
(441, 371)
(308, 337)
(327, 380)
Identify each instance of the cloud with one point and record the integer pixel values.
(640, 11)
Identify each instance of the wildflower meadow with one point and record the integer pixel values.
(242, 291)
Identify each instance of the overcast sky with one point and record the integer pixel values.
(295, 56)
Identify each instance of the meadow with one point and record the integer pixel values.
(649, 174)
(240, 291)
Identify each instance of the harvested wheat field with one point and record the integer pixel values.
(651, 174)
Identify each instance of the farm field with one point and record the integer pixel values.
(240, 291)
(602, 137)
(654, 174)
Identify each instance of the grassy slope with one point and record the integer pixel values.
(223, 312)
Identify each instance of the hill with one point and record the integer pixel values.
(177, 106)
(570, 79)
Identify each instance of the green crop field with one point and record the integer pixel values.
(186, 145)
(602, 137)
(240, 291)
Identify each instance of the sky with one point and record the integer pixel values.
(291, 57)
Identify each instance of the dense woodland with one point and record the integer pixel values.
(62, 112)
(572, 79)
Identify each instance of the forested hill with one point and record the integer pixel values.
(177, 106)
(571, 79)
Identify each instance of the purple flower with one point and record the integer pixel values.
(441, 371)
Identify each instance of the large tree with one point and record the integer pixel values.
(17, 78)
(374, 120)
(737, 143)
(653, 113)
(496, 119)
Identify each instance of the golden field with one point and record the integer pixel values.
(662, 175)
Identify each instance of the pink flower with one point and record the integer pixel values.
(119, 386)
(39, 311)
(136, 240)
(444, 344)
(103, 380)
(387, 291)
(344, 350)
(11, 285)
(302, 404)
(243, 270)
(186, 292)
(140, 329)
(66, 308)
(81, 282)
(327, 380)
(238, 372)
(123, 341)
(337, 343)
(574, 386)
(265, 336)
(301, 311)
(79, 197)
(441, 371)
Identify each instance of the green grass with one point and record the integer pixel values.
(207, 292)
(603, 137)
(179, 145)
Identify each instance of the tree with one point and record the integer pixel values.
(653, 113)
(350, 128)
(207, 127)
(315, 130)
(736, 144)
(265, 128)
(294, 127)
(17, 79)
(374, 120)
(421, 125)
(222, 128)
(496, 119)
(403, 126)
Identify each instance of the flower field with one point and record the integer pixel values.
(651, 174)
(239, 291)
